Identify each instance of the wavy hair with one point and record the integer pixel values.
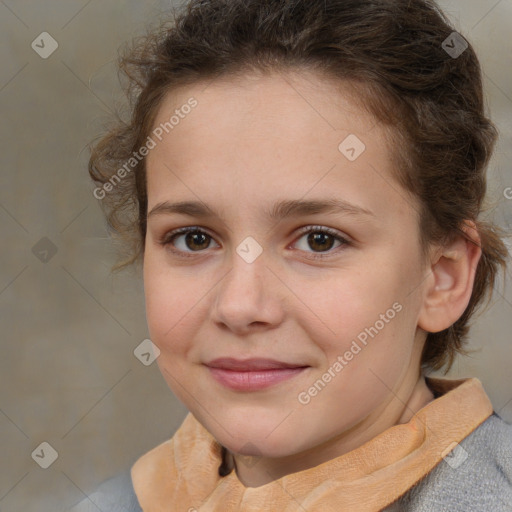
(393, 51)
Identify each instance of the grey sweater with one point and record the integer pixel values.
(475, 477)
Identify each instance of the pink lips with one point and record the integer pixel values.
(252, 374)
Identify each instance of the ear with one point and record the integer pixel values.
(453, 269)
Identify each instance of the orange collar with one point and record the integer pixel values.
(182, 472)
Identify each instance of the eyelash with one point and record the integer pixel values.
(168, 239)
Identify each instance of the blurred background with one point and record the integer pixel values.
(68, 373)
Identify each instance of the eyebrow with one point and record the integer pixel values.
(281, 210)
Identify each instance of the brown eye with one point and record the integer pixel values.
(197, 240)
(320, 241)
(187, 241)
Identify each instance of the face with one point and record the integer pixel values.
(334, 291)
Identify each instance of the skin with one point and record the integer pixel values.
(249, 143)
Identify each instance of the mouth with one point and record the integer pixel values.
(252, 374)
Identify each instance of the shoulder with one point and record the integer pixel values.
(113, 495)
(476, 475)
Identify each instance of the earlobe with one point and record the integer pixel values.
(453, 270)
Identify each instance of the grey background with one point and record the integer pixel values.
(68, 375)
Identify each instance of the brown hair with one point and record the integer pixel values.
(392, 50)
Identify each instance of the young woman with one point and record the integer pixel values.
(301, 181)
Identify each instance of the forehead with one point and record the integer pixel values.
(267, 135)
(286, 105)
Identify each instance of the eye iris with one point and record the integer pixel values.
(320, 238)
(197, 236)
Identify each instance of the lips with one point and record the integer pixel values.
(251, 375)
(253, 364)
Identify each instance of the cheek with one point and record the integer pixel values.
(171, 324)
(166, 301)
(177, 303)
(346, 302)
(363, 315)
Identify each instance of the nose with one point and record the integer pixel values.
(249, 297)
